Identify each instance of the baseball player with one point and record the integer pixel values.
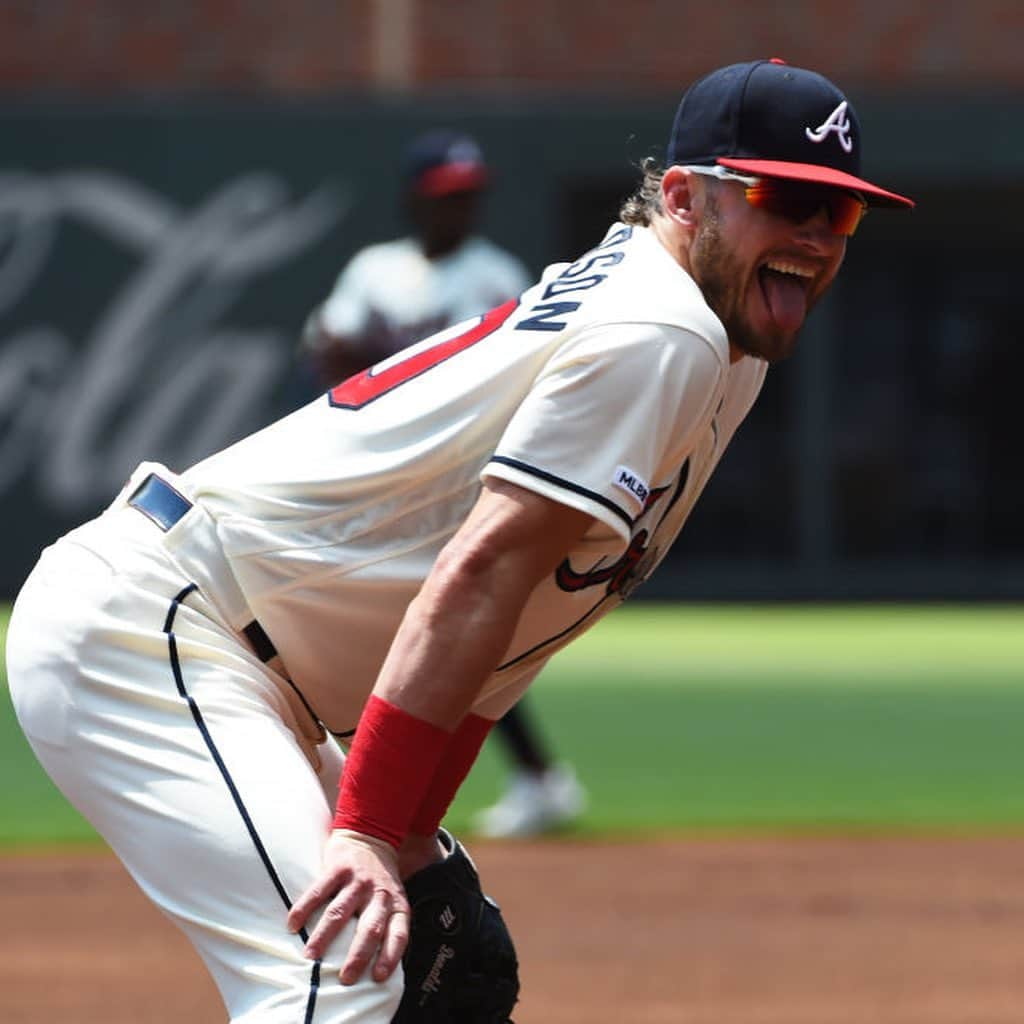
(393, 563)
(394, 293)
(391, 294)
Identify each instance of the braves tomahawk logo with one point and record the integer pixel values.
(839, 122)
(615, 575)
(623, 575)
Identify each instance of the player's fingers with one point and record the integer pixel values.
(393, 946)
(335, 916)
(371, 932)
(315, 896)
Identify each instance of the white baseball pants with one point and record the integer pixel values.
(191, 758)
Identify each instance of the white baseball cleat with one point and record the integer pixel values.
(533, 804)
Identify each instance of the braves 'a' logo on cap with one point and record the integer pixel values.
(837, 122)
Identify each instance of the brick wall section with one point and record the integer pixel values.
(304, 47)
(103, 46)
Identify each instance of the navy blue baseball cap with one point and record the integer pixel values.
(442, 162)
(768, 118)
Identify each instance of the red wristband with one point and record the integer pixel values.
(394, 756)
(463, 747)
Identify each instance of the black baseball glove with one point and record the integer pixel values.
(460, 964)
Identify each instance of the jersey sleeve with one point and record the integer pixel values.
(612, 412)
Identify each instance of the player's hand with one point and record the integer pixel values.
(359, 880)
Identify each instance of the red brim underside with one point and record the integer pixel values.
(874, 195)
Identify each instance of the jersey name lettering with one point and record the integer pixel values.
(542, 321)
(561, 287)
(571, 279)
(617, 237)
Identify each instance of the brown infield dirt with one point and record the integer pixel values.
(690, 931)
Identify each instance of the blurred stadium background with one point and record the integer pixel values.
(180, 184)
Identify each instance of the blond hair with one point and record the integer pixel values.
(645, 203)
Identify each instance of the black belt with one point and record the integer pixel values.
(160, 502)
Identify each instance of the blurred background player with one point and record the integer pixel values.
(392, 294)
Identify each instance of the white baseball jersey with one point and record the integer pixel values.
(607, 387)
(393, 292)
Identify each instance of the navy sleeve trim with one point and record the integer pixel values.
(566, 485)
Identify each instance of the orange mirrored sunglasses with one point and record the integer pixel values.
(799, 201)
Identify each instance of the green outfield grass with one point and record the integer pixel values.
(739, 718)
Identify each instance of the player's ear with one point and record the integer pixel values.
(677, 194)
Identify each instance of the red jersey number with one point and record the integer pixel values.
(367, 386)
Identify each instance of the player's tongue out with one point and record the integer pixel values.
(786, 297)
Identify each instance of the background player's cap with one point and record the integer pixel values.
(768, 118)
(440, 163)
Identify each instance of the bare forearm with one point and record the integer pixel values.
(451, 640)
(456, 631)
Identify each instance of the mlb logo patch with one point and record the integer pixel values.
(631, 481)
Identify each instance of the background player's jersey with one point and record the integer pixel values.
(396, 295)
(608, 388)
